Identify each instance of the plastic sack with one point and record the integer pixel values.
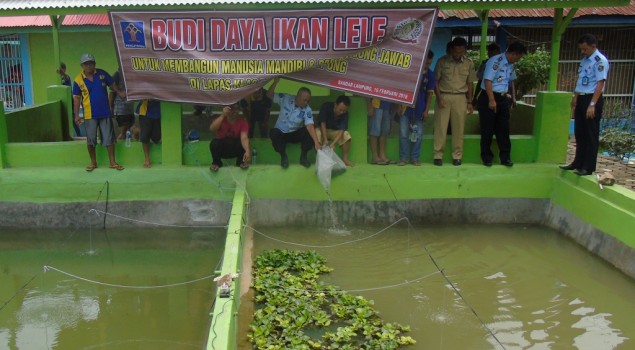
(327, 164)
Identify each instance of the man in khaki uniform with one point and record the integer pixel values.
(455, 77)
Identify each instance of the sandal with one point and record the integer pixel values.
(244, 165)
(214, 167)
(116, 167)
(416, 163)
(379, 162)
(91, 167)
(401, 163)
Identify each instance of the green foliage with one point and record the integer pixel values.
(297, 311)
(617, 115)
(532, 71)
(475, 56)
(617, 126)
(618, 143)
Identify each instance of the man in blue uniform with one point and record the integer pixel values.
(295, 124)
(587, 106)
(493, 105)
(90, 89)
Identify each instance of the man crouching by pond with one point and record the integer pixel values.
(333, 126)
(294, 125)
(231, 138)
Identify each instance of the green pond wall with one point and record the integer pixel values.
(37, 136)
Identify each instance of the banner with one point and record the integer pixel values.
(210, 57)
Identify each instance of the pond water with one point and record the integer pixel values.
(56, 309)
(522, 287)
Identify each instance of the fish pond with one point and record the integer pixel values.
(483, 286)
(133, 288)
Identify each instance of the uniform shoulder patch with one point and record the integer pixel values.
(597, 59)
(600, 68)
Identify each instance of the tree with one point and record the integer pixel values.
(532, 71)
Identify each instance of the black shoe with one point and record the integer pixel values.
(507, 163)
(456, 162)
(567, 167)
(284, 162)
(438, 162)
(582, 172)
(305, 162)
(488, 164)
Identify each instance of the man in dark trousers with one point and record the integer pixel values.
(295, 124)
(493, 105)
(587, 106)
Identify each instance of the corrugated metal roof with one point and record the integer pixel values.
(61, 4)
(25, 21)
(584, 11)
(83, 20)
(628, 10)
(103, 20)
(45, 21)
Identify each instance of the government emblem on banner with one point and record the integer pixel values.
(408, 31)
(133, 35)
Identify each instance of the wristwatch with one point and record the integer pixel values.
(592, 104)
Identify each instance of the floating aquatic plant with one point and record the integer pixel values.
(294, 310)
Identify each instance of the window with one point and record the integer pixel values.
(11, 77)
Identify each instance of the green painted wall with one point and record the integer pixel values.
(611, 210)
(4, 138)
(72, 46)
(551, 129)
(41, 123)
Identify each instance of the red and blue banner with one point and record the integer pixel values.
(220, 57)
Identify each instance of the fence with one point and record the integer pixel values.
(617, 43)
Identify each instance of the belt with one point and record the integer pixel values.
(454, 93)
(584, 93)
(499, 93)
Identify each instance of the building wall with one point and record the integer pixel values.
(72, 46)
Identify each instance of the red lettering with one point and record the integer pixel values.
(283, 28)
(246, 26)
(192, 39)
(217, 34)
(259, 38)
(178, 34)
(159, 35)
(234, 41)
(319, 33)
(378, 30)
(303, 39)
(338, 44)
(364, 40)
(354, 32)
(174, 34)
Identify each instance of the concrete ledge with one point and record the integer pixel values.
(594, 240)
(266, 212)
(122, 214)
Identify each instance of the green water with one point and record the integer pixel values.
(51, 310)
(532, 287)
